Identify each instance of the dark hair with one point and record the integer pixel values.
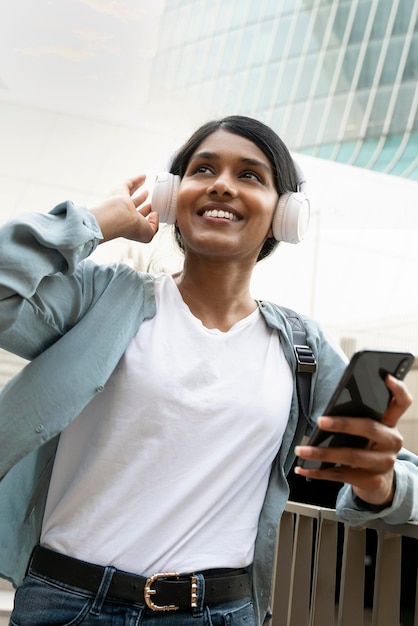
(263, 137)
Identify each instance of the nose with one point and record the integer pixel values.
(223, 184)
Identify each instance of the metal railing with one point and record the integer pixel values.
(323, 565)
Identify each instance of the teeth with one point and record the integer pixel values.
(219, 213)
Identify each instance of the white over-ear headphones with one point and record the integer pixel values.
(290, 220)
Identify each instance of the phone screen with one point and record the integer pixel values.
(362, 392)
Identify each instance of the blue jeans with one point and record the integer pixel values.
(42, 601)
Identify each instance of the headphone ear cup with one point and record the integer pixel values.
(291, 217)
(164, 197)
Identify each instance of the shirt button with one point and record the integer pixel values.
(100, 388)
(40, 428)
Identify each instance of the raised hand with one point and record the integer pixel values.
(123, 213)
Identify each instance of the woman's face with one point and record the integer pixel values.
(226, 198)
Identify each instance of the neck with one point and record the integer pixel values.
(218, 294)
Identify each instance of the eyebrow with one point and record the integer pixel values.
(245, 160)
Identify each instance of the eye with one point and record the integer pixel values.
(250, 175)
(201, 169)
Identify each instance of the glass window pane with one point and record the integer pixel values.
(407, 158)
(403, 17)
(300, 34)
(292, 128)
(326, 152)
(368, 150)
(320, 25)
(195, 10)
(226, 14)
(348, 67)
(379, 111)
(411, 67)
(360, 22)
(212, 18)
(371, 59)
(381, 19)
(346, 151)
(340, 22)
(305, 82)
(240, 13)
(214, 54)
(391, 65)
(252, 88)
(402, 109)
(178, 31)
(315, 118)
(263, 42)
(331, 125)
(388, 151)
(327, 73)
(277, 119)
(230, 51)
(356, 115)
(268, 86)
(280, 39)
(287, 81)
(244, 59)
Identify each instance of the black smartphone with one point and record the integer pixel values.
(361, 392)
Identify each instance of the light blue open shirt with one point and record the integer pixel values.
(73, 319)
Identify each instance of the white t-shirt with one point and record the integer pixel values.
(167, 468)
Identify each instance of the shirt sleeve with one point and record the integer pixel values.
(43, 282)
(404, 507)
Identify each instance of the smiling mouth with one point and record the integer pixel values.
(219, 213)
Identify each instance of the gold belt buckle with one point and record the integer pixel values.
(148, 591)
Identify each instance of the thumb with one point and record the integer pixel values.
(154, 220)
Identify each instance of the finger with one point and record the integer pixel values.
(129, 186)
(140, 197)
(154, 220)
(134, 183)
(148, 227)
(145, 210)
(375, 431)
(373, 460)
(371, 487)
(399, 403)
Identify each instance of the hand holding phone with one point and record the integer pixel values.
(361, 392)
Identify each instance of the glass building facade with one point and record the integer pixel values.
(337, 79)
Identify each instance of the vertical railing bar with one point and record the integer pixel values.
(387, 588)
(283, 570)
(300, 592)
(324, 578)
(416, 600)
(351, 600)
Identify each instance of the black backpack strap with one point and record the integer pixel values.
(305, 361)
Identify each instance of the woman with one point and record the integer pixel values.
(175, 400)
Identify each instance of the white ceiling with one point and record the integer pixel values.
(83, 57)
(76, 116)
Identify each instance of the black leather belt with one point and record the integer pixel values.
(165, 591)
